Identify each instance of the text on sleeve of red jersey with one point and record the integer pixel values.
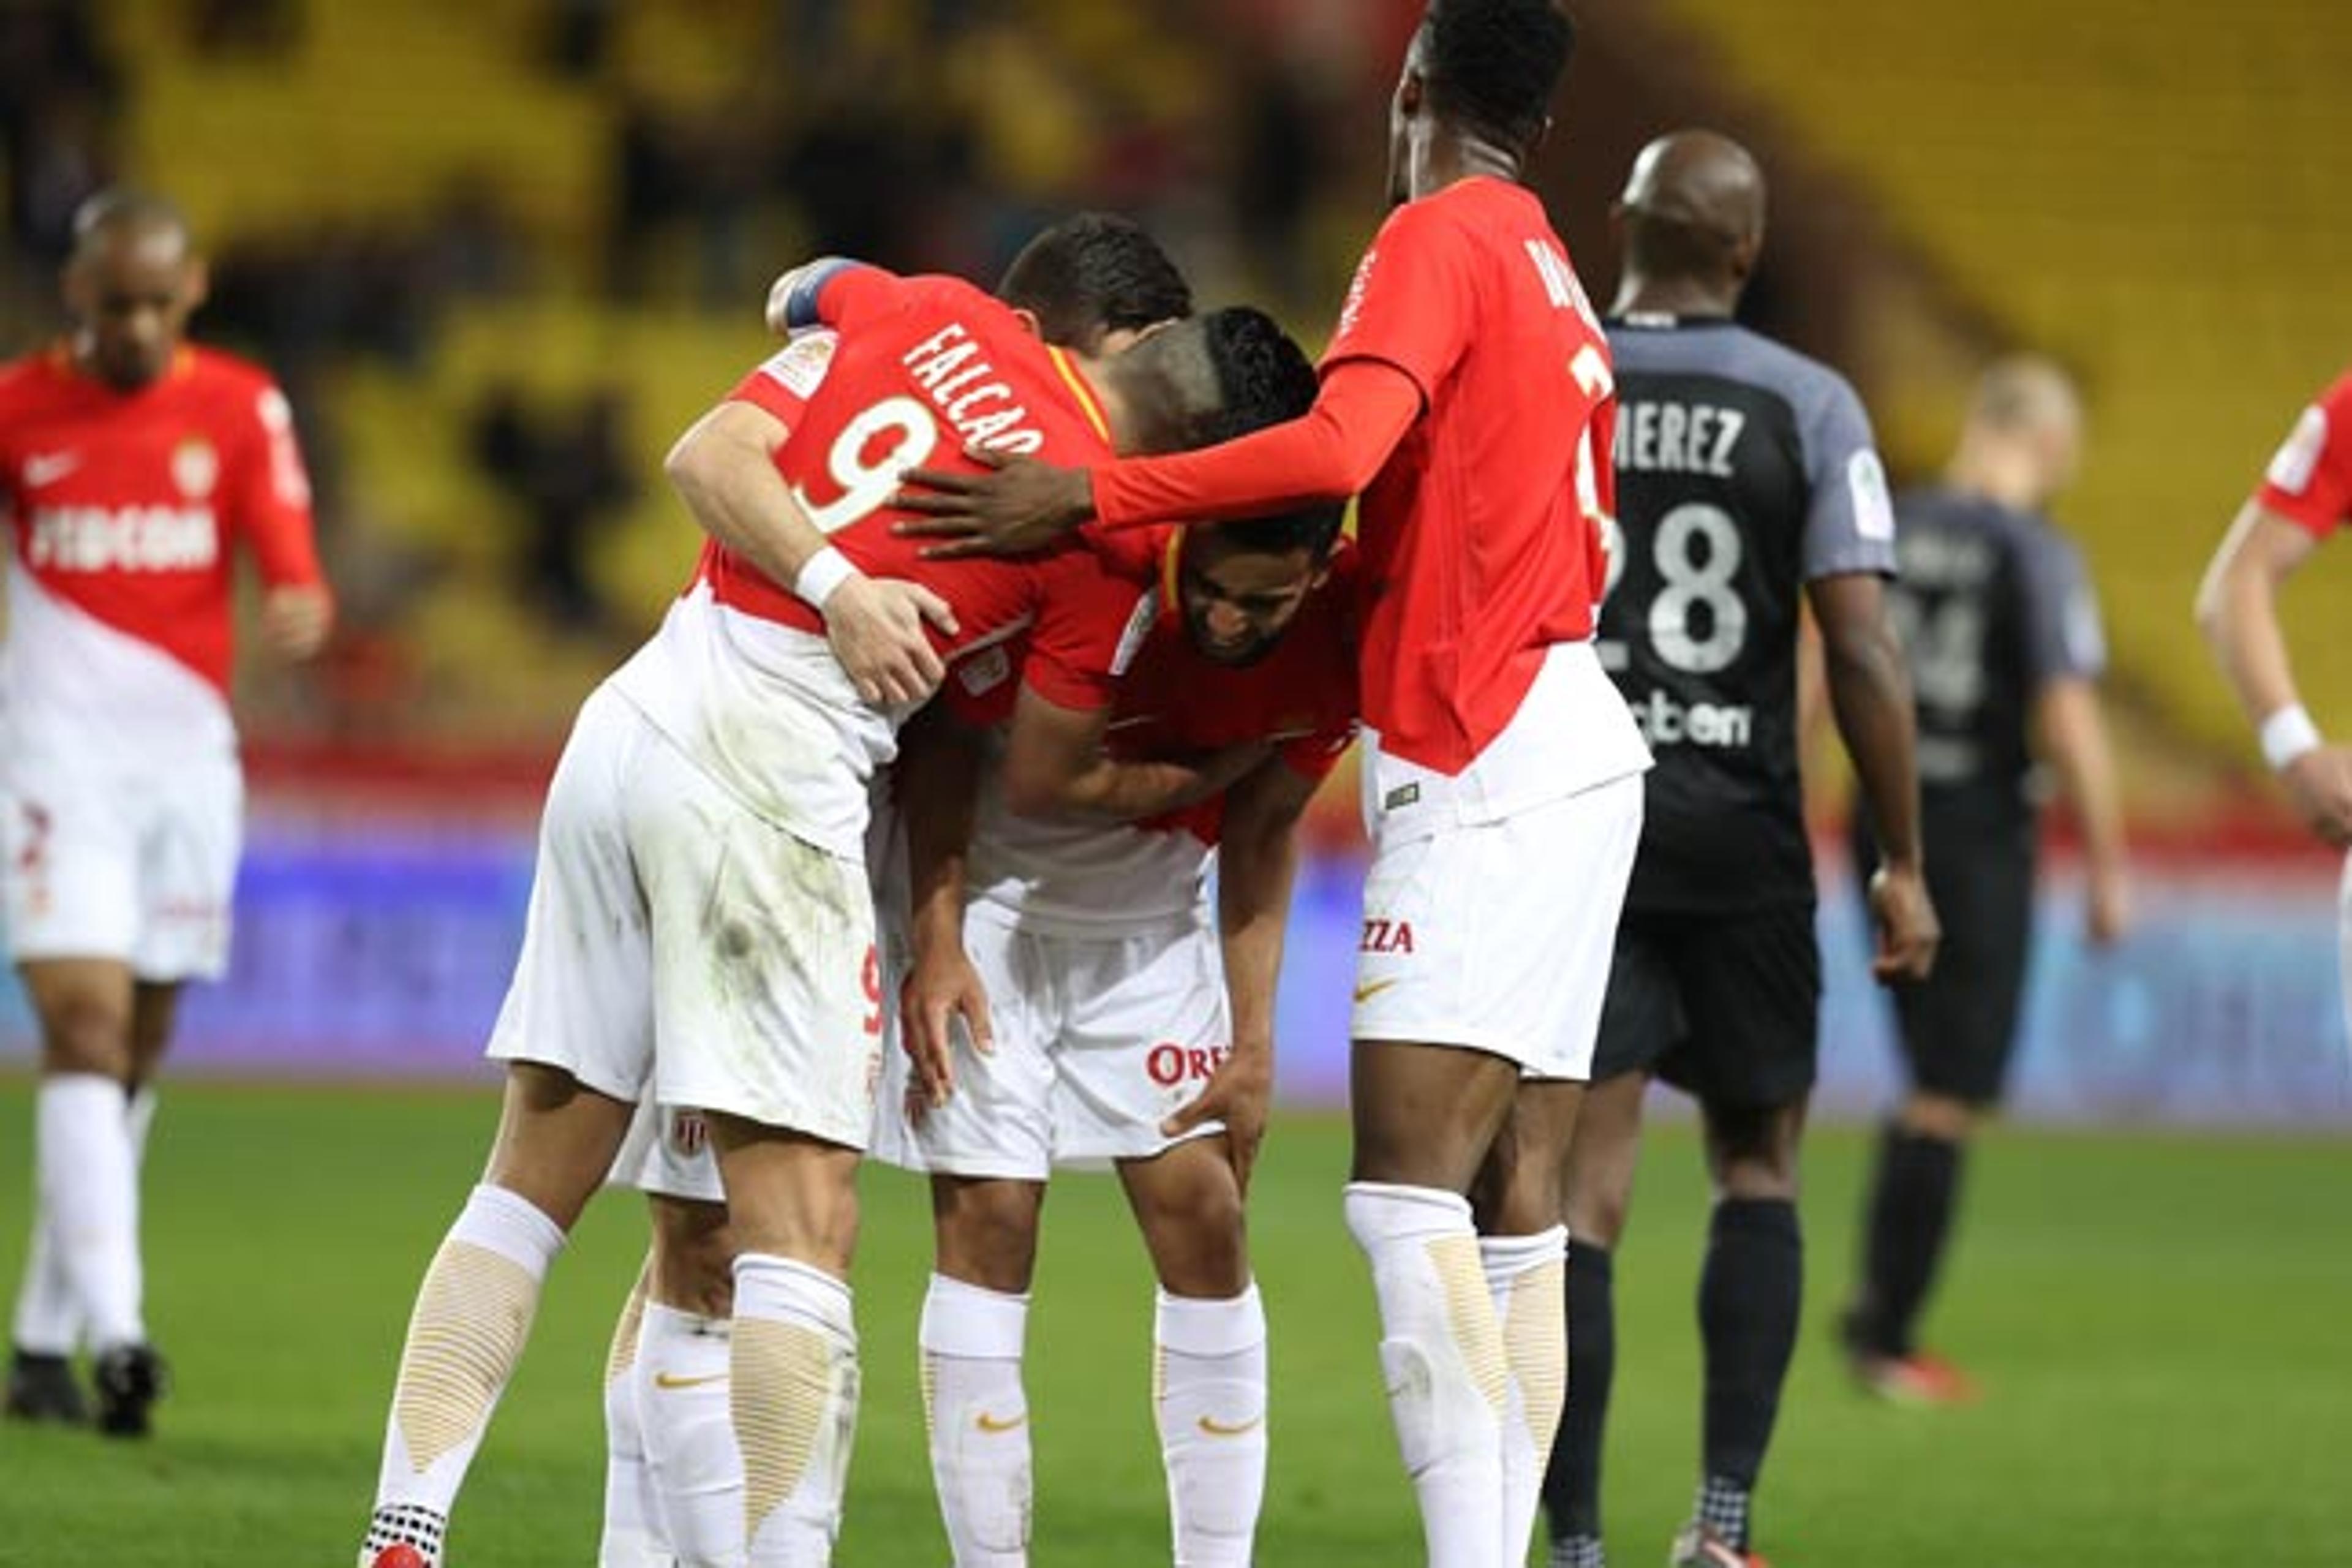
(272, 491)
(1408, 305)
(1361, 413)
(2310, 480)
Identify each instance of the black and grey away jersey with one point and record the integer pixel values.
(1993, 604)
(1744, 471)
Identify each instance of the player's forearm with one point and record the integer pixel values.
(1254, 884)
(1107, 791)
(2238, 611)
(728, 478)
(1870, 696)
(939, 786)
(2075, 736)
(1329, 455)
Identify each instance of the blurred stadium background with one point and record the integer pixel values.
(501, 251)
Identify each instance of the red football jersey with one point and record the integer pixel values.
(1173, 701)
(2310, 481)
(125, 507)
(1481, 536)
(923, 366)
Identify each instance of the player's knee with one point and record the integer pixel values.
(986, 1231)
(1199, 1240)
(1597, 1211)
(694, 1257)
(1940, 1116)
(85, 1033)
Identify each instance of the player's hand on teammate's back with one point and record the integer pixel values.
(1238, 1094)
(296, 619)
(2320, 784)
(942, 986)
(1904, 921)
(875, 626)
(1018, 505)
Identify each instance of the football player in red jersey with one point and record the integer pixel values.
(1467, 396)
(2303, 500)
(134, 468)
(701, 919)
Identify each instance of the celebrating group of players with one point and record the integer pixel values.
(1018, 613)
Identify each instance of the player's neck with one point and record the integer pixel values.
(1643, 295)
(1449, 158)
(2000, 475)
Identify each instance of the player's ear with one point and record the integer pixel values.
(197, 284)
(1029, 322)
(1542, 135)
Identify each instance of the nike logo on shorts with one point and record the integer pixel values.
(1373, 988)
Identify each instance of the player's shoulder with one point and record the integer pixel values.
(31, 376)
(2337, 400)
(1470, 215)
(211, 368)
(1661, 345)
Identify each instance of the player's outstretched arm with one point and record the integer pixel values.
(1870, 696)
(1055, 765)
(724, 468)
(1331, 454)
(2237, 608)
(938, 770)
(1257, 863)
(2072, 733)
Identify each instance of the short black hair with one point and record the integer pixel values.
(1092, 274)
(1266, 379)
(1495, 64)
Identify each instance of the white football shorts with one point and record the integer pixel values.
(679, 940)
(1498, 936)
(103, 866)
(1098, 1040)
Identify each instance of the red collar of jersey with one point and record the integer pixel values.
(61, 355)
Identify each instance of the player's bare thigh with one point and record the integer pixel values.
(789, 1194)
(1425, 1115)
(691, 1267)
(154, 1014)
(1187, 1203)
(1603, 1153)
(556, 1139)
(86, 1007)
(984, 1230)
(1521, 1188)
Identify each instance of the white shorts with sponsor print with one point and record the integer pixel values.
(679, 940)
(667, 1154)
(1098, 1040)
(137, 868)
(1498, 936)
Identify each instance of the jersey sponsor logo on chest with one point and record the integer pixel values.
(1678, 439)
(123, 539)
(1666, 721)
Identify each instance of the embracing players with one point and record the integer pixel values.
(1747, 481)
(133, 467)
(702, 921)
(1467, 396)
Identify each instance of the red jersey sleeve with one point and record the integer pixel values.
(1090, 622)
(831, 292)
(787, 379)
(1408, 306)
(270, 490)
(2310, 481)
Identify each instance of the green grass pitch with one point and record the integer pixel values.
(2162, 1324)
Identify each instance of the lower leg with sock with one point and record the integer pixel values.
(1441, 1353)
(1526, 1279)
(472, 1316)
(1572, 1489)
(1209, 1393)
(1751, 1290)
(631, 1537)
(88, 1176)
(976, 1411)
(793, 1402)
(684, 1375)
(1914, 1191)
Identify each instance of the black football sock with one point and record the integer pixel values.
(1571, 1487)
(1750, 1294)
(1910, 1220)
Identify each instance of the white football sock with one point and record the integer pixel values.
(977, 1413)
(473, 1314)
(49, 1320)
(1209, 1393)
(1442, 1353)
(89, 1190)
(1526, 1277)
(683, 1377)
(795, 1405)
(632, 1529)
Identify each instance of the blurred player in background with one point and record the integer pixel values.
(134, 466)
(2303, 499)
(2003, 630)
(701, 920)
(1467, 394)
(1116, 1020)
(1096, 284)
(1747, 480)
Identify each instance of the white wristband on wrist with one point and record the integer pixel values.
(2288, 734)
(820, 574)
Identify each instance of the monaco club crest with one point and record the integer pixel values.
(195, 467)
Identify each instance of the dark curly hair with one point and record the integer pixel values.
(1495, 64)
(1092, 274)
(1266, 379)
